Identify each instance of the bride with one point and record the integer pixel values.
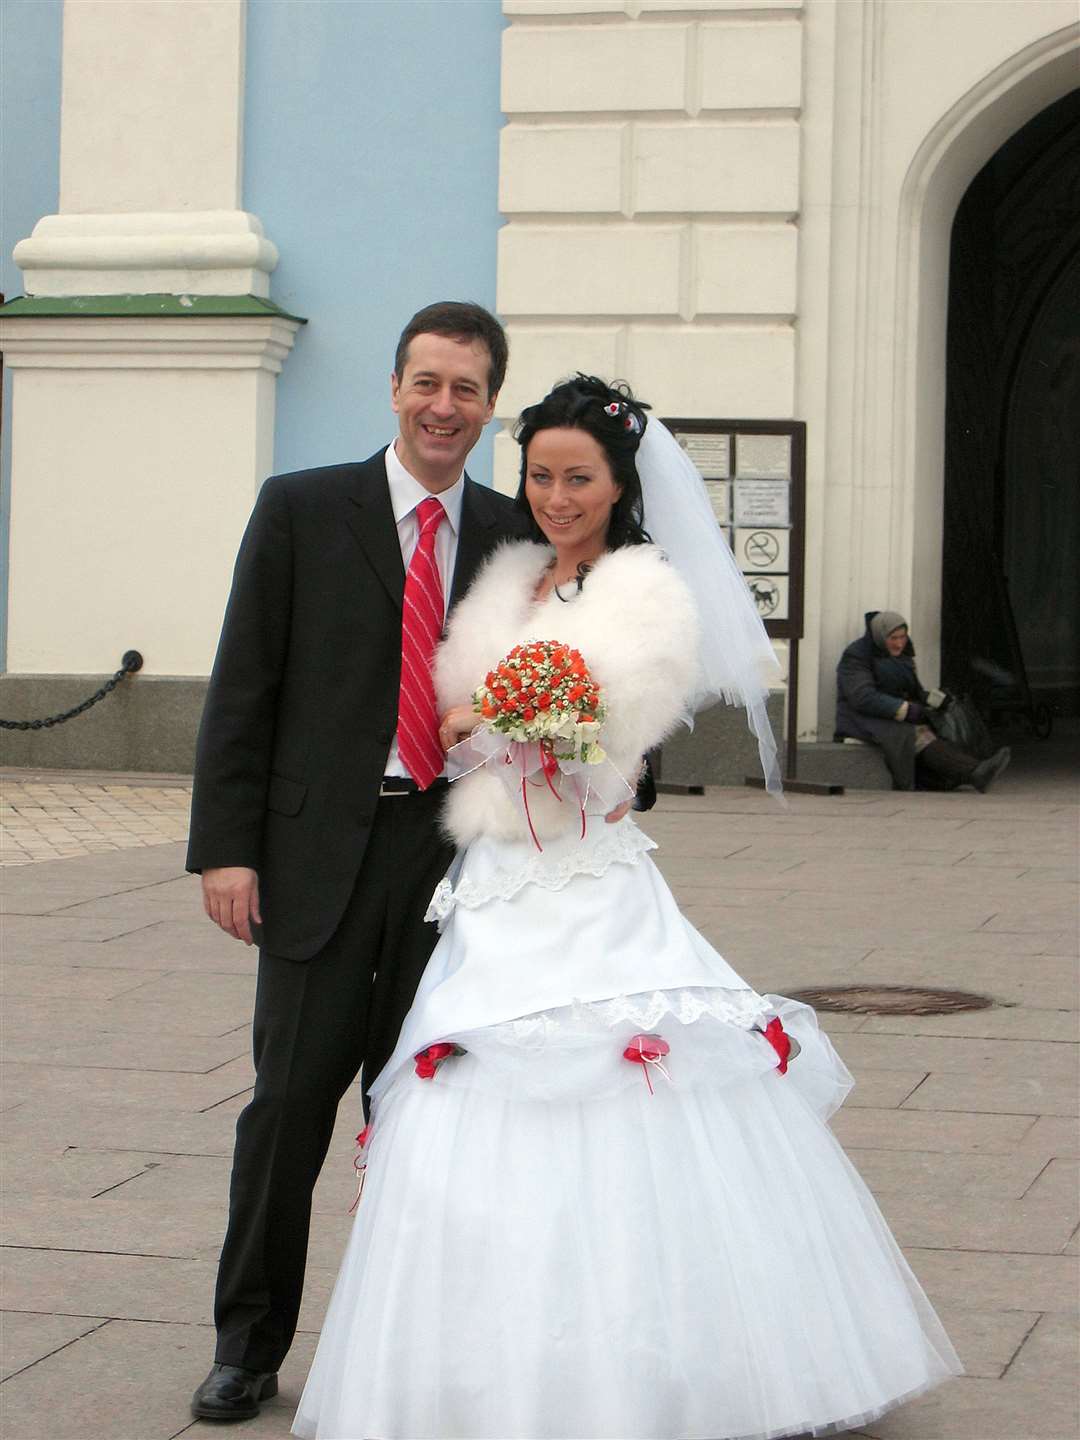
(601, 1199)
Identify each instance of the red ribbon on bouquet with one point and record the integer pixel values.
(648, 1051)
(597, 788)
(360, 1163)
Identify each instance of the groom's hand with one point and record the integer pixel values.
(457, 724)
(231, 899)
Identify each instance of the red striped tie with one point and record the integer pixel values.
(421, 626)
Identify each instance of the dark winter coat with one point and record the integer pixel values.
(871, 685)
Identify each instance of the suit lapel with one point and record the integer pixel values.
(370, 517)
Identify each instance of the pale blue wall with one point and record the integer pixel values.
(29, 177)
(371, 157)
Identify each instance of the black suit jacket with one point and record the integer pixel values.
(302, 702)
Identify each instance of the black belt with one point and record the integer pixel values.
(405, 785)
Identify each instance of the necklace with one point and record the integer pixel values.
(579, 580)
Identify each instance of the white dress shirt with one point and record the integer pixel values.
(406, 493)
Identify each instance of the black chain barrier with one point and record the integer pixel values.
(131, 662)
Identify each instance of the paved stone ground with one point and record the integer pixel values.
(54, 815)
(126, 1046)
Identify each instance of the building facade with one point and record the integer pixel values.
(743, 207)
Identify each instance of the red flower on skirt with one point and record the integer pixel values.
(780, 1040)
(648, 1051)
(429, 1060)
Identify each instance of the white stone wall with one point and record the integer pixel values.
(743, 207)
(138, 449)
(650, 179)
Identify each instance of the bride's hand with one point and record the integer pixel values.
(457, 724)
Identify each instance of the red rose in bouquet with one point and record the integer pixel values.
(543, 692)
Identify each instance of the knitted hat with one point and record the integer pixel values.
(884, 623)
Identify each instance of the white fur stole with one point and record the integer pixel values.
(636, 627)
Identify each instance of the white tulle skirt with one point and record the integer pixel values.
(549, 1249)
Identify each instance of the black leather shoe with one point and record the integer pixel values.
(230, 1393)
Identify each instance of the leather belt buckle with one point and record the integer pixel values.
(395, 785)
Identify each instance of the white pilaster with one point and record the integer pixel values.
(143, 376)
(151, 146)
(138, 446)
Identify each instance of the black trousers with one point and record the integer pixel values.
(316, 1023)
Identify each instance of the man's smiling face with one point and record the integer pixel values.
(442, 403)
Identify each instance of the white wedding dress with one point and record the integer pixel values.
(556, 1242)
(548, 1249)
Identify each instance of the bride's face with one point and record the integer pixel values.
(570, 490)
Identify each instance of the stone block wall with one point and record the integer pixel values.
(649, 174)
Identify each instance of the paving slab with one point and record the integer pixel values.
(63, 1174)
(882, 1089)
(985, 1280)
(144, 1127)
(127, 1287)
(114, 1049)
(951, 1132)
(999, 1094)
(988, 1409)
(949, 1181)
(102, 1379)
(129, 1059)
(1032, 980)
(1054, 1135)
(1012, 1022)
(119, 1222)
(28, 938)
(1058, 1180)
(165, 1091)
(987, 1341)
(129, 1012)
(1028, 1226)
(976, 1059)
(26, 1339)
(32, 980)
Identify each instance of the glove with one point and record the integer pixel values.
(645, 798)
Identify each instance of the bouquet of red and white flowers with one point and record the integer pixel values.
(542, 692)
(541, 714)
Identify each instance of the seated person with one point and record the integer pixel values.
(880, 700)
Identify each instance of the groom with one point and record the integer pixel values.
(318, 781)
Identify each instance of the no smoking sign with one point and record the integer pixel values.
(758, 550)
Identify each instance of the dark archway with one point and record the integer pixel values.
(1011, 557)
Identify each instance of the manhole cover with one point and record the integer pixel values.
(890, 999)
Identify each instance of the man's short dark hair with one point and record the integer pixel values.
(461, 320)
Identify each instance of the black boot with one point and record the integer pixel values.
(984, 774)
(955, 767)
(949, 766)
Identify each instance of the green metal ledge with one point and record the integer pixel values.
(159, 307)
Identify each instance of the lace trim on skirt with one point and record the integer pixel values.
(621, 845)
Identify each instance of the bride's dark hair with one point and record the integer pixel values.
(616, 421)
